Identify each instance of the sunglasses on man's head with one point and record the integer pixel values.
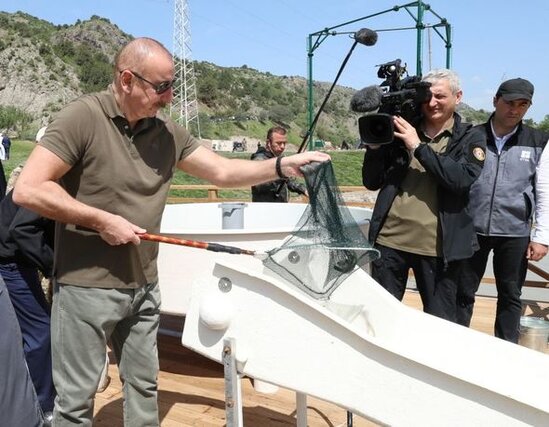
(159, 88)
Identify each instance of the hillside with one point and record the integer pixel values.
(43, 66)
(231, 98)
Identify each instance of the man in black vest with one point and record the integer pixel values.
(502, 204)
(275, 191)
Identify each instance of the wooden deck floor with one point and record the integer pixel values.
(191, 389)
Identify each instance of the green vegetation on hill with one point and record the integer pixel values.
(43, 66)
(242, 100)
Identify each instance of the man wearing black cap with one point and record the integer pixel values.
(502, 204)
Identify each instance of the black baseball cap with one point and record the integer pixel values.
(513, 89)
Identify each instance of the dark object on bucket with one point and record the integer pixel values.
(232, 215)
(327, 244)
(534, 333)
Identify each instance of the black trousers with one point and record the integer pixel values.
(436, 282)
(509, 264)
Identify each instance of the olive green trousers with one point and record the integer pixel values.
(83, 321)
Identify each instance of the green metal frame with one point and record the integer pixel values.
(322, 35)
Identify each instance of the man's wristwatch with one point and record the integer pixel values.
(417, 144)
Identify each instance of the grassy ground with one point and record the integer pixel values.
(347, 167)
(19, 152)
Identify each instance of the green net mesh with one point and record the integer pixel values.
(327, 244)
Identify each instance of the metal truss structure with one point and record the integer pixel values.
(184, 107)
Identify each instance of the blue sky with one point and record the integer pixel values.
(493, 40)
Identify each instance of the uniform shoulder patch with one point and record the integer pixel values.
(479, 154)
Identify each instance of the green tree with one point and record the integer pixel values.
(225, 80)
(65, 49)
(94, 69)
(544, 124)
(529, 122)
(280, 114)
(207, 90)
(14, 119)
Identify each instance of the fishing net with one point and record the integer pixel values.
(327, 244)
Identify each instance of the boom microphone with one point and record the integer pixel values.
(367, 99)
(366, 36)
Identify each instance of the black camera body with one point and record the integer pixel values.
(401, 96)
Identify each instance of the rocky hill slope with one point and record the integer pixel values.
(43, 66)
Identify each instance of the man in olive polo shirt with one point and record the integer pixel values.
(420, 218)
(102, 171)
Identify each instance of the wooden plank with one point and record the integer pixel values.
(211, 187)
(213, 194)
(539, 271)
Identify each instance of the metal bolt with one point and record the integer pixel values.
(230, 403)
(293, 257)
(225, 285)
(227, 350)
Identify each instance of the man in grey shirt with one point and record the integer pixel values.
(502, 204)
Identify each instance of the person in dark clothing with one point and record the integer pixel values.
(19, 405)
(502, 202)
(420, 218)
(6, 142)
(278, 190)
(3, 182)
(26, 247)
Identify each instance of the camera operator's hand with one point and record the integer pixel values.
(406, 132)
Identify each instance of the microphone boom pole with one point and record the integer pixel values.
(313, 123)
(363, 36)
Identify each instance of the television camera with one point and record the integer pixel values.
(395, 96)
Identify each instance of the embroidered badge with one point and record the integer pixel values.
(479, 154)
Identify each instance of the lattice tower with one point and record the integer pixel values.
(184, 107)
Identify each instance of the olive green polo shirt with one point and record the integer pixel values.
(412, 224)
(124, 172)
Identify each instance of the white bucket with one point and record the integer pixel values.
(232, 215)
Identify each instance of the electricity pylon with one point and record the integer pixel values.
(184, 107)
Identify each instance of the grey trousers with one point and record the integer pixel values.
(83, 320)
(19, 404)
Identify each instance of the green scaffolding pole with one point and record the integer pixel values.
(314, 40)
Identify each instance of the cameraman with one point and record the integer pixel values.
(420, 219)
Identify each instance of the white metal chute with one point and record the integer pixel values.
(384, 361)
